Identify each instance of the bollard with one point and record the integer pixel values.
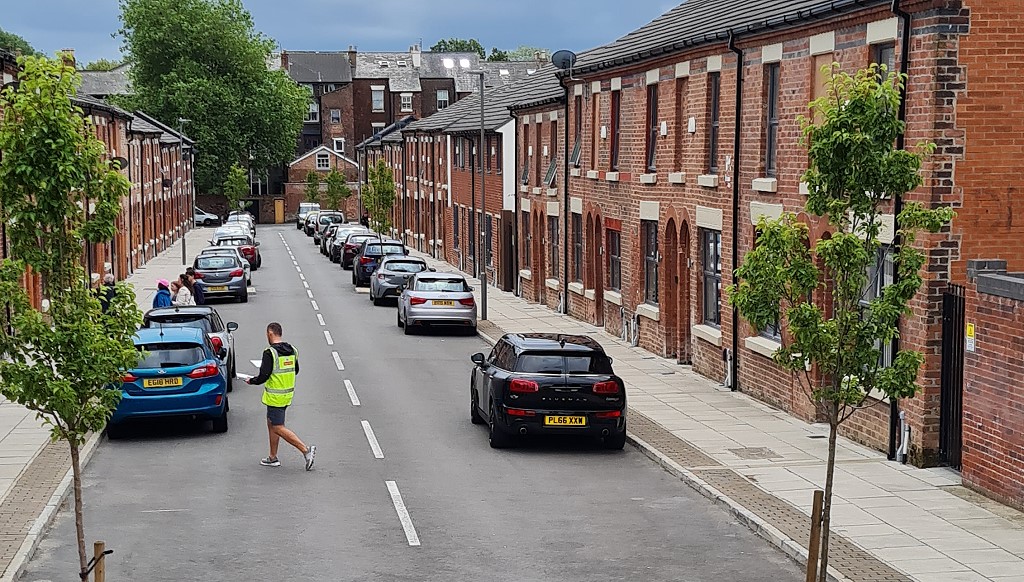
(100, 556)
(815, 542)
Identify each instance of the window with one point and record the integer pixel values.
(537, 156)
(552, 173)
(652, 126)
(330, 87)
(455, 226)
(406, 103)
(711, 265)
(771, 139)
(880, 275)
(682, 121)
(489, 240)
(773, 331)
(714, 92)
(488, 152)
(884, 54)
(616, 114)
(614, 260)
(378, 99)
(459, 159)
(553, 247)
(553, 142)
(577, 247)
(649, 233)
(595, 133)
(527, 239)
(335, 115)
(442, 98)
(313, 113)
(525, 178)
(497, 154)
(323, 161)
(339, 144)
(577, 148)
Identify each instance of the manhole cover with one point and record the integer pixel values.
(755, 453)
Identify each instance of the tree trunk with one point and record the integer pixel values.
(826, 506)
(76, 470)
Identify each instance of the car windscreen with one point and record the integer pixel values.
(405, 266)
(216, 262)
(453, 285)
(378, 249)
(169, 355)
(540, 363)
(306, 206)
(161, 321)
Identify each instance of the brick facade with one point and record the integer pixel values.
(295, 187)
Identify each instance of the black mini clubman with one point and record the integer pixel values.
(548, 384)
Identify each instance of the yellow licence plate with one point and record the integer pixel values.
(216, 289)
(565, 421)
(161, 382)
(444, 303)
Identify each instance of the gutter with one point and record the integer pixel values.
(736, 142)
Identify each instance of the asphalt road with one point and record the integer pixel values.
(176, 503)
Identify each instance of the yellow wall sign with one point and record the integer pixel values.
(971, 338)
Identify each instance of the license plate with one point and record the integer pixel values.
(161, 382)
(217, 289)
(443, 303)
(565, 421)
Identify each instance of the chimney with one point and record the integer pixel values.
(68, 56)
(284, 62)
(352, 57)
(416, 55)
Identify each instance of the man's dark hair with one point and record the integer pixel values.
(190, 271)
(275, 328)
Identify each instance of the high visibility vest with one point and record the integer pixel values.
(280, 387)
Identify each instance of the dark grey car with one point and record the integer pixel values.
(221, 276)
(392, 273)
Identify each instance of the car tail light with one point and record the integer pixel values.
(349, 246)
(520, 386)
(606, 387)
(248, 250)
(204, 371)
(129, 377)
(608, 414)
(197, 275)
(468, 302)
(520, 412)
(417, 301)
(237, 273)
(365, 260)
(218, 344)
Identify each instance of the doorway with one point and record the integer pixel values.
(952, 377)
(279, 211)
(684, 351)
(671, 290)
(597, 256)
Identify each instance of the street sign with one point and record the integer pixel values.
(972, 341)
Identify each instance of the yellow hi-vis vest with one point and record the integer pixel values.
(280, 387)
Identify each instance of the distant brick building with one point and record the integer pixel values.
(320, 160)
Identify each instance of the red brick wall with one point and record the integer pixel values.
(341, 99)
(465, 190)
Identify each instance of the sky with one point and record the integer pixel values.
(88, 25)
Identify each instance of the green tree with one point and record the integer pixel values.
(58, 192)
(312, 190)
(236, 186)
(497, 55)
(379, 196)
(855, 172)
(459, 45)
(337, 189)
(102, 65)
(527, 53)
(203, 60)
(13, 43)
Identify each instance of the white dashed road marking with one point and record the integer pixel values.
(327, 336)
(403, 514)
(305, 284)
(315, 306)
(351, 393)
(257, 363)
(310, 293)
(372, 439)
(320, 318)
(337, 362)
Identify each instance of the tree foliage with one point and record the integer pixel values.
(102, 65)
(312, 190)
(527, 53)
(855, 173)
(337, 189)
(379, 196)
(57, 193)
(459, 45)
(14, 43)
(203, 60)
(236, 186)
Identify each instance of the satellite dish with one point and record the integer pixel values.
(119, 163)
(563, 59)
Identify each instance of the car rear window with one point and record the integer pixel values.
(233, 242)
(449, 285)
(377, 249)
(406, 266)
(196, 321)
(358, 238)
(330, 218)
(169, 355)
(562, 364)
(216, 262)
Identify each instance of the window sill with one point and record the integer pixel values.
(537, 190)
(652, 312)
(439, 243)
(406, 111)
(648, 178)
(593, 174)
(552, 284)
(708, 180)
(376, 111)
(526, 274)
(575, 172)
(576, 288)
(804, 188)
(709, 334)
(770, 185)
(762, 345)
(613, 297)
(590, 294)
(552, 191)
(524, 189)
(611, 176)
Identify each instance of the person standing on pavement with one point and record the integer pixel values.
(108, 291)
(278, 369)
(365, 220)
(183, 296)
(163, 294)
(197, 290)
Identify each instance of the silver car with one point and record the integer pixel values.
(392, 273)
(231, 252)
(437, 299)
(304, 209)
(340, 237)
(222, 276)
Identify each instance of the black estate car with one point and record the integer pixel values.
(548, 384)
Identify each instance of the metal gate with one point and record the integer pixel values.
(952, 397)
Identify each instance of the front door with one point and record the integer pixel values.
(279, 211)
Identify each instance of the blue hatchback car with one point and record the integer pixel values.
(178, 375)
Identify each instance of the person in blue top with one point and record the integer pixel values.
(163, 294)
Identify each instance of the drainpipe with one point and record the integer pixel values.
(565, 198)
(517, 286)
(905, 19)
(734, 361)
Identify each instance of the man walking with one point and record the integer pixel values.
(278, 369)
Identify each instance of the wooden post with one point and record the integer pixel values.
(99, 573)
(815, 542)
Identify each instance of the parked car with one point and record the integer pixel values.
(548, 384)
(324, 219)
(222, 276)
(229, 230)
(353, 243)
(244, 220)
(327, 237)
(304, 209)
(309, 226)
(231, 252)
(341, 235)
(178, 375)
(392, 274)
(369, 256)
(205, 218)
(202, 317)
(249, 248)
(437, 300)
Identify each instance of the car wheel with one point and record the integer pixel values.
(259, 261)
(497, 437)
(471, 331)
(398, 317)
(208, 222)
(474, 407)
(614, 442)
(115, 431)
(221, 424)
(245, 297)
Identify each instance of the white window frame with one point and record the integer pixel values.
(446, 100)
(374, 93)
(313, 115)
(406, 102)
(332, 113)
(323, 161)
(339, 141)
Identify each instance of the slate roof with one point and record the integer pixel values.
(698, 22)
(405, 78)
(496, 112)
(319, 67)
(395, 127)
(401, 78)
(91, 102)
(542, 88)
(167, 133)
(104, 83)
(444, 117)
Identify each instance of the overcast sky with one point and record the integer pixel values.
(87, 25)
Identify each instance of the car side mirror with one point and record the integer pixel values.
(432, 270)
(257, 243)
(406, 251)
(472, 289)
(232, 326)
(478, 359)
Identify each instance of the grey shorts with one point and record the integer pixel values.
(275, 415)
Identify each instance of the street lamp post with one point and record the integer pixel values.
(181, 141)
(482, 147)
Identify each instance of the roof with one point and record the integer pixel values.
(319, 67)
(323, 149)
(404, 70)
(169, 135)
(445, 117)
(90, 102)
(553, 341)
(186, 310)
(153, 335)
(401, 69)
(386, 131)
(104, 83)
(542, 88)
(699, 22)
(139, 125)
